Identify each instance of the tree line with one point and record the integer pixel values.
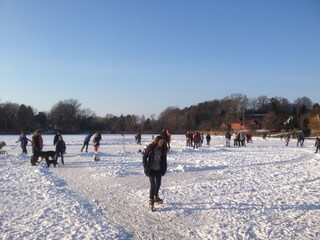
(67, 116)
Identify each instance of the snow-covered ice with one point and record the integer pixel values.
(262, 191)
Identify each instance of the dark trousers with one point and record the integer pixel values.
(85, 144)
(24, 147)
(60, 154)
(168, 144)
(318, 148)
(155, 183)
(35, 157)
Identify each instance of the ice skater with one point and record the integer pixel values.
(155, 167)
(24, 142)
(208, 138)
(86, 141)
(317, 144)
(37, 144)
(300, 139)
(228, 138)
(138, 138)
(60, 149)
(287, 138)
(96, 143)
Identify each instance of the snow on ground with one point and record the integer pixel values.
(262, 191)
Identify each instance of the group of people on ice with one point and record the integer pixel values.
(96, 141)
(37, 146)
(58, 142)
(287, 136)
(165, 134)
(240, 138)
(195, 139)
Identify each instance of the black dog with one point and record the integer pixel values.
(49, 154)
(2, 144)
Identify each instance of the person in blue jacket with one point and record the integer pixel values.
(86, 141)
(24, 142)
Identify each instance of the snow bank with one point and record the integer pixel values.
(35, 204)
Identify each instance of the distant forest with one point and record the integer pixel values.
(273, 114)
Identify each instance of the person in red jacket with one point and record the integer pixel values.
(96, 142)
(37, 144)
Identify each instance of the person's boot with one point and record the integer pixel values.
(158, 200)
(151, 204)
(32, 161)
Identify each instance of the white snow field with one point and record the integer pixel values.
(262, 191)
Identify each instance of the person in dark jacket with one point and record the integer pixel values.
(138, 138)
(208, 138)
(24, 142)
(300, 139)
(86, 141)
(36, 146)
(317, 144)
(228, 138)
(60, 148)
(56, 138)
(166, 137)
(155, 167)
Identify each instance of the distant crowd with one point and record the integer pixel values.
(194, 139)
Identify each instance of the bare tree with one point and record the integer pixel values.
(8, 115)
(302, 107)
(25, 118)
(253, 104)
(271, 121)
(303, 103)
(87, 113)
(64, 114)
(262, 103)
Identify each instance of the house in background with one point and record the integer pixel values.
(238, 125)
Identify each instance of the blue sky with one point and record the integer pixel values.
(140, 57)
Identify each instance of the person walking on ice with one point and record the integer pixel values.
(287, 138)
(155, 167)
(228, 138)
(37, 144)
(208, 138)
(60, 148)
(300, 139)
(317, 144)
